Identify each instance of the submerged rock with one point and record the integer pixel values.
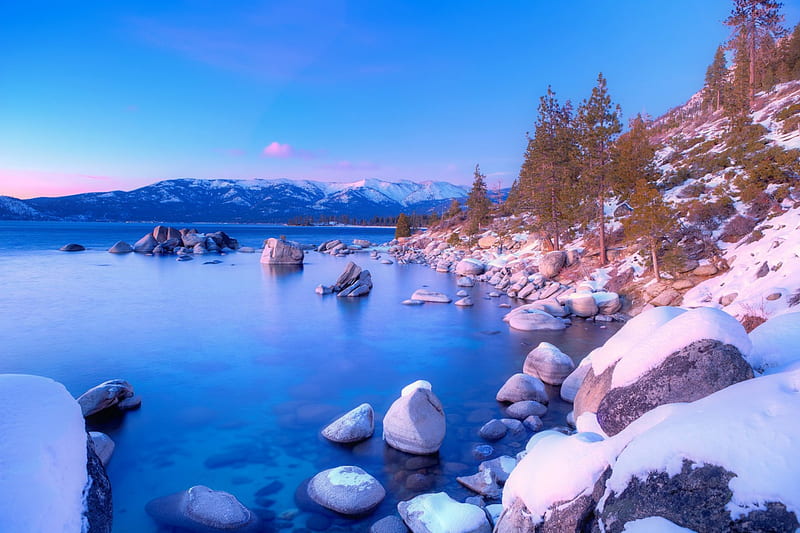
(72, 247)
(348, 490)
(430, 296)
(105, 395)
(521, 387)
(203, 510)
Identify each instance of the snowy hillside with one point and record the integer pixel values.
(255, 200)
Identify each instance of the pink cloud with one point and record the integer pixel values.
(32, 183)
(285, 151)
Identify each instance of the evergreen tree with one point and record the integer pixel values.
(478, 203)
(716, 80)
(454, 210)
(633, 158)
(789, 54)
(547, 183)
(598, 124)
(752, 21)
(737, 106)
(403, 228)
(651, 221)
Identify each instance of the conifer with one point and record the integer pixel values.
(403, 228)
(478, 202)
(598, 124)
(651, 221)
(716, 80)
(454, 210)
(633, 158)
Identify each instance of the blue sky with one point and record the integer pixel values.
(116, 95)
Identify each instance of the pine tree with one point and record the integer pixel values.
(716, 80)
(633, 158)
(789, 54)
(752, 21)
(454, 210)
(598, 124)
(651, 221)
(403, 228)
(478, 202)
(547, 183)
(737, 106)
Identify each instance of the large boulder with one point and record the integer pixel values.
(534, 320)
(203, 510)
(99, 511)
(280, 252)
(521, 387)
(425, 295)
(552, 263)
(121, 247)
(107, 394)
(165, 233)
(548, 363)
(51, 478)
(691, 373)
(582, 304)
(470, 267)
(72, 247)
(608, 303)
(353, 426)
(573, 382)
(190, 239)
(145, 245)
(353, 281)
(532, 502)
(348, 490)
(439, 513)
(415, 422)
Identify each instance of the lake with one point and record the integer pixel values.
(240, 365)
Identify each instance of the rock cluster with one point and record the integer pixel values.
(352, 282)
(164, 240)
(337, 248)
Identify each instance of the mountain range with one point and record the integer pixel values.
(227, 200)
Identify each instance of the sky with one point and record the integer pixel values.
(98, 96)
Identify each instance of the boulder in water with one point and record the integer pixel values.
(280, 252)
(348, 490)
(72, 247)
(121, 247)
(354, 426)
(415, 422)
(203, 510)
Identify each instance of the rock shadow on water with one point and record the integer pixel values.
(281, 271)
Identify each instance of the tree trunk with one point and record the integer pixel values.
(654, 256)
(752, 72)
(603, 256)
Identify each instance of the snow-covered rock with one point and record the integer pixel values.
(439, 513)
(346, 489)
(201, 509)
(43, 458)
(107, 394)
(533, 320)
(776, 343)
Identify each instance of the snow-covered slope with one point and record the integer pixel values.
(255, 200)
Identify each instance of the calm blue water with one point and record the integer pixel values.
(240, 365)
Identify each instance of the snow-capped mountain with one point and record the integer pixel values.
(256, 200)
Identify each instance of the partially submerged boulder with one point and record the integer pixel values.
(348, 490)
(534, 320)
(549, 364)
(415, 422)
(353, 281)
(203, 510)
(121, 247)
(430, 296)
(72, 247)
(354, 426)
(521, 387)
(439, 513)
(107, 394)
(280, 252)
(145, 245)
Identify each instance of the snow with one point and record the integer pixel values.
(604, 297)
(42, 456)
(350, 476)
(749, 428)
(630, 336)
(654, 524)
(587, 423)
(780, 249)
(539, 480)
(419, 384)
(684, 329)
(440, 513)
(776, 343)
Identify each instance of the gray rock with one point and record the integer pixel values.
(103, 446)
(534, 320)
(362, 243)
(521, 387)
(696, 498)
(388, 262)
(728, 299)
(464, 302)
(592, 390)
(389, 524)
(439, 513)
(763, 270)
(165, 233)
(500, 467)
(192, 239)
(522, 410)
(354, 426)
(573, 382)
(348, 490)
(412, 302)
(548, 363)
(246, 250)
(323, 289)
(470, 267)
(462, 293)
(608, 303)
(280, 252)
(483, 483)
(552, 263)
(103, 396)
(533, 423)
(130, 403)
(203, 510)
(691, 373)
(415, 422)
(515, 427)
(582, 305)
(121, 247)
(348, 276)
(430, 296)
(465, 282)
(145, 245)
(72, 247)
(705, 270)
(493, 430)
(667, 297)
(360, 287)
(199, 248)
(98, 511)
